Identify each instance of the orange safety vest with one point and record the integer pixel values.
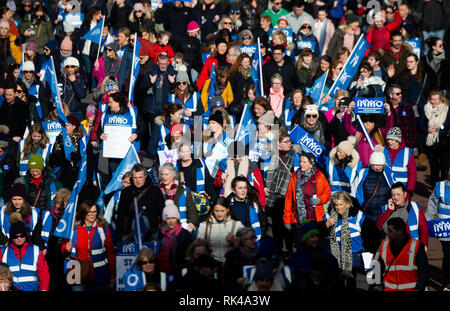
(402, 274)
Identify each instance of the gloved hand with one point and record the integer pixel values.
(314, 200)
(288, 227)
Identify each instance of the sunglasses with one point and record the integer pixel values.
(306, 26)
(144, 262)
(109, 49)
(19, 91)
(71, 66)
(311, 116)
(27, 5)
(227, 23)
(138, 11)
(397, 94)
(182, 83)
(235, 12)
(389, 12)
(276, 3)
(246, 37)
(28, 71)
(18, 236)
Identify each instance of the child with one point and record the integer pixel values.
(88, 123)
(163, 46)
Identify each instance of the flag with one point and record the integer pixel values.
(135, 67)
(351, 67)
(95, 34)
(65, 225)
(212, 88)
(316, 91)
(50, 78)
(245, 126)
(256, 70)
(21, 64)
(68, 145)
(127, 163)
(309, 144)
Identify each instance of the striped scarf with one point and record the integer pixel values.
(169, 194)
(302, 178)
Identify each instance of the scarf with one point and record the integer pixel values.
(343, 253)
(111, 66)
(323, 34)
(169, 239)
(246, 73)
(436, 118)
(302, 178)
(349, 39)
(435, 61)
(56, 214)
(222, 60)
(278, 179)
(276, 101)
(316, 131)
(170, 194)
(220, 87)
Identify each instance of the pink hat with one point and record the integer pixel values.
(91, 111)
(66, 44)
(193, 26)
(31, 45)
(138, 7)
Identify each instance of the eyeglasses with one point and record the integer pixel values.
(389, 12)
(144, 262)
(182, 83)
(286, 142)
(27, 5)
(227, 23)
(246, 37)
(92, 212)
(138, 11)
(397, 94)
(305, 26)
(311, 116)
(109, 49)
(363, 71)
(18, 236)
(71, 66)
(19, 91)
(276, 3)
(28, 71)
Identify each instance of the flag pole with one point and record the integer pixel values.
(100, 41)
(240, 123)
(132, 67)
(260, 67)
(323, 87)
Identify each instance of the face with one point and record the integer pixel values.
(164, 40)
(228, 24)
(249, 240)
(340, 154)
(167, 176)
(65, 52)
(278, 56)
(439, 47)
(28, 75)
(282, 24)
(341, 206)
(36, 137)
(377, 168)
(311, 119)
(19, 92)
(259, 110)
(435, 100)
(307, 59)
(393, 144)
(305, 165)
(285, 144)
(215, 127)
(245, 63)
(262, 129)
(396, 96)
(372, 61)
(147, 265)
(298, 10)
(370, 125)
(17, 202)
(264, 23)
(313, 241)
(278, 39)
(70, 69)
(91, 215)
(10, 95)
(263, 284)
(411, 63)
(177, 116)
(297, 99)
(394, 235)
(354, 25)
(199, 250)
(222, 48)
(19, 239)
(5, 284)
(35, 173)
(398, 196)
(403, 10)
(126, 182)
(241, 190)
(122, 39)
(276, 85)
(185, 152)
(162, 64)
(171, 222)
(251, 95)
(397, 42)
(4, 31)
(138, 178)
(220, 212)
(115, 106)
(322, 15)
(324, 65)
(365, 73)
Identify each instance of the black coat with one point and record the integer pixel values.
(15, 116)
(287, 72)
(239, 84)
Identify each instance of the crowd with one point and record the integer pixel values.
(266, 215)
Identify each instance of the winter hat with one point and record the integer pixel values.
(377, 158)
(146, 47)
(346, 146)
(217, 101)
(205, 260)
(138, 7)
(220, 40)
(380, 16)
(18, 228)
(31, 45)
(113, 45)
(18, 190)
(111, 85)
(245, 33)
(193, 26)
(91, 110)
(74, 120)
(68, 27)
(268, 249)
(66, 44)
(4, 23)
(182, 75)
(210, 38)
(52, 45)
(4, 137)
(71, 61)
(170, 211)
(312, 109)
(263, 270)
(283, 18)
(311, 157)
(351, 18)
(267, 119)
(307, 229)
(176, 127)
(36, 161)
(394, 133)
(11, 5)
(216, 116)
(28, 66)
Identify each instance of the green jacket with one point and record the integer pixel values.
(43, 32)
(191, 210)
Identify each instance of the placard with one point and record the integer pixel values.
(369, 105)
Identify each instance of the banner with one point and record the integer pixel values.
(219, 152)
(245, 126)
(50, 78)
(351, 67)
(308, 143)
(130, 159)
(317, 90)
(135, 67)
(257, 70)
(306, 44)
(76, 19)
(168, 156)
(415, 43)
(286, 31)
(439, 228)
(369, 105)
(248, 49)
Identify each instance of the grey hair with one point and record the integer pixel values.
(170, 167)
(240, 233)
(276, 76)
(235, 50)
(392, 87)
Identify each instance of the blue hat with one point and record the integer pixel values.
(268, 249)
(307, 229)
(52, 45)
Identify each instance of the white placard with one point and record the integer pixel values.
(117, 144)
(168, 156)
(367, 259)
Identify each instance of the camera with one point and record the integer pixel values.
(344, 102)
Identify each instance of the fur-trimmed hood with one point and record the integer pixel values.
(353, 163)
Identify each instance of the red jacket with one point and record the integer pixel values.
(42, 266)
(158, 49)
(206, 71)
(378, 37)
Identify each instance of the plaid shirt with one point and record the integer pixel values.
(405, 119)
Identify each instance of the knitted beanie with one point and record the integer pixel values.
(193, 26)
(18, 228)
(307, 229)
(18, 190)
(31, 45)
(346, 147)
(182, 75)
(267, 119)
(216, 116)
(394, 133)
(170, 211)
(377, 158)
(91, 110)
(36, 161)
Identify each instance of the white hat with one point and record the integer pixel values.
(28, 66)
(170, 210)
(377, 158)
(312, 109)
(68, 27)
(71, 61)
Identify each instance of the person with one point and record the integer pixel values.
(26, 262)
(371, 189)
(119, 15)
(395, 52)
(6, 279)
(276, 95)
(174, 240)
(145, 263)
(400, 160)
(38, 28)
(123, 39)
(10, 109)
(275, 11)
(163, 46)
(324, 30)
(201, 278)
(241, 76)
(263, 279)
(108, 64)
(376, 133)
(218, 57)
(334, 116)
(343, 165)
(317, 129)
(305, 33)
(38, 103)
(380, 32)
(139, 18)
(244, 253)
(436, 64)
(8, 44)
(302, 200)
(403, 260)
(150, 202)
(291, 106)
(435, 123)
(306, 65)
(400, 205)
(345, 222)
(179, 195)
(219, 228)
(346, 35)
(7, 162)
(73, 86)
(40, 185)
(367, 84)
(221, 86)
(92, 244)
(438, 205)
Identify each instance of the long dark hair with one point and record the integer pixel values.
(419, 73)
(209, 217)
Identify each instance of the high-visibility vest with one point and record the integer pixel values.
(442, 192)
(399, 167)
(24, 272)
(402, 274)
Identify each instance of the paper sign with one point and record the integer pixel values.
(369, 105)
(117, 144)
(168, 156)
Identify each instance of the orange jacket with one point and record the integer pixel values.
(323, 192)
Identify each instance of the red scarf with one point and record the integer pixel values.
(37, 181)
(170, 194)
(170, 244)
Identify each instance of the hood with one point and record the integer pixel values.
(353, 163)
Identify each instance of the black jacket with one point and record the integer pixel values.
(15, 116)
(287, 72)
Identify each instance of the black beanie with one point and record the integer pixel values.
(17, 228)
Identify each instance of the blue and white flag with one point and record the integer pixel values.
(308, 143)
(351, 67)
(125, 165)
(65, 225)
(306, 44)
(21, 64)
(245, 126)
(212, 88)
(68, 145)
(317, 90)
(250, 50)
(135, 67)
(95, 34)
(257, 70)
(50, 77)
(439, 228)
(415, 43)
(369, 105)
